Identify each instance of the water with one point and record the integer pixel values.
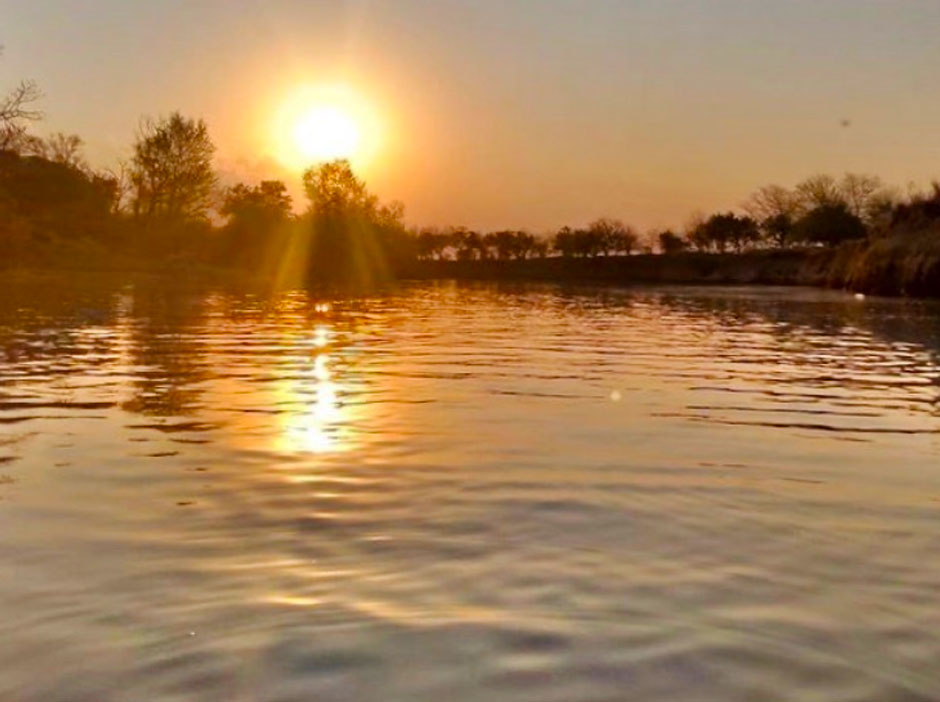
(467, 493)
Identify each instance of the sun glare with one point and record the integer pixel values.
(326, 133)
(322, 124)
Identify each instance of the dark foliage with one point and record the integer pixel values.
(42, 200)
(830, 225)
(721, 232)
(671, 243)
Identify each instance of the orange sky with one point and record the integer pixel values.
(513, 114)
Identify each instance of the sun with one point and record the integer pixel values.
(325, 133)
(314, 124)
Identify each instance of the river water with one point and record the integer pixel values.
(467, 492)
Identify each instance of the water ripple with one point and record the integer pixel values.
(478, 492)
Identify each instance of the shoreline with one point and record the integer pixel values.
(782, 268)
(886, 267)
(877, 269)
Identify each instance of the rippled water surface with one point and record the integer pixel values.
(471, 492)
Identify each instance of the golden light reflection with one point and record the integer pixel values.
(316, 429)
(322, 425)
(321, 369)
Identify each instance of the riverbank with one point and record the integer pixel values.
(749, 268)
(904, 264)
(892, 266)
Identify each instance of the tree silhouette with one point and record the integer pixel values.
(432, 244)
(670, 242)
(355, 240)
(334, 190)
(16, 109)
(819, 191)
(255, 215)
(610, 236)
(722, 231)
(171, 171)
(830, 225)
(258, 206)
(778, 229)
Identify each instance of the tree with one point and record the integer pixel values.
(171, 171)
(526, 245)
(265, 203)
(54, 199)
(671, 243)
(468, 245)
(721, 231)
(255, 215)
(355, 240)
(66, 149)
(867, 197)
(774, 208)
(830, 225)
(770, 201)
(922, 209)
(507, 245)
(778, 229)
(334, 190)
(858, 190)
(432, 244)
(256, 210)
(625, 241)
(15, 111)
(15, 105)
(564, 242)
(819, 191)
(59, 148)
(739, 232)
(610, 236)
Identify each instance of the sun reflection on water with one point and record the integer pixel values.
(319, 427)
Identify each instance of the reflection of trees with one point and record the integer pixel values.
(794, 317)
(166, 351)
(47, 325)
(802, 309)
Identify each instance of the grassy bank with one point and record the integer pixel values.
(896, 265)
(906, 263)
(757, 267)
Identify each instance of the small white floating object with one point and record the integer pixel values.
(616, 396)
(192, 633)
(859, 296)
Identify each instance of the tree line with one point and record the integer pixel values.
(821, 211)
(166, 203)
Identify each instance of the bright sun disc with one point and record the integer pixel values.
(314, 124)
(325, 133)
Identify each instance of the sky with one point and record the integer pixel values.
(512, 113)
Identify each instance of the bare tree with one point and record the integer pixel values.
(772, 201)
(15, 106)
(858, 189)
(819, 191)
(15, 111)
(120, 175)
(62, 148)
(867, 197)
